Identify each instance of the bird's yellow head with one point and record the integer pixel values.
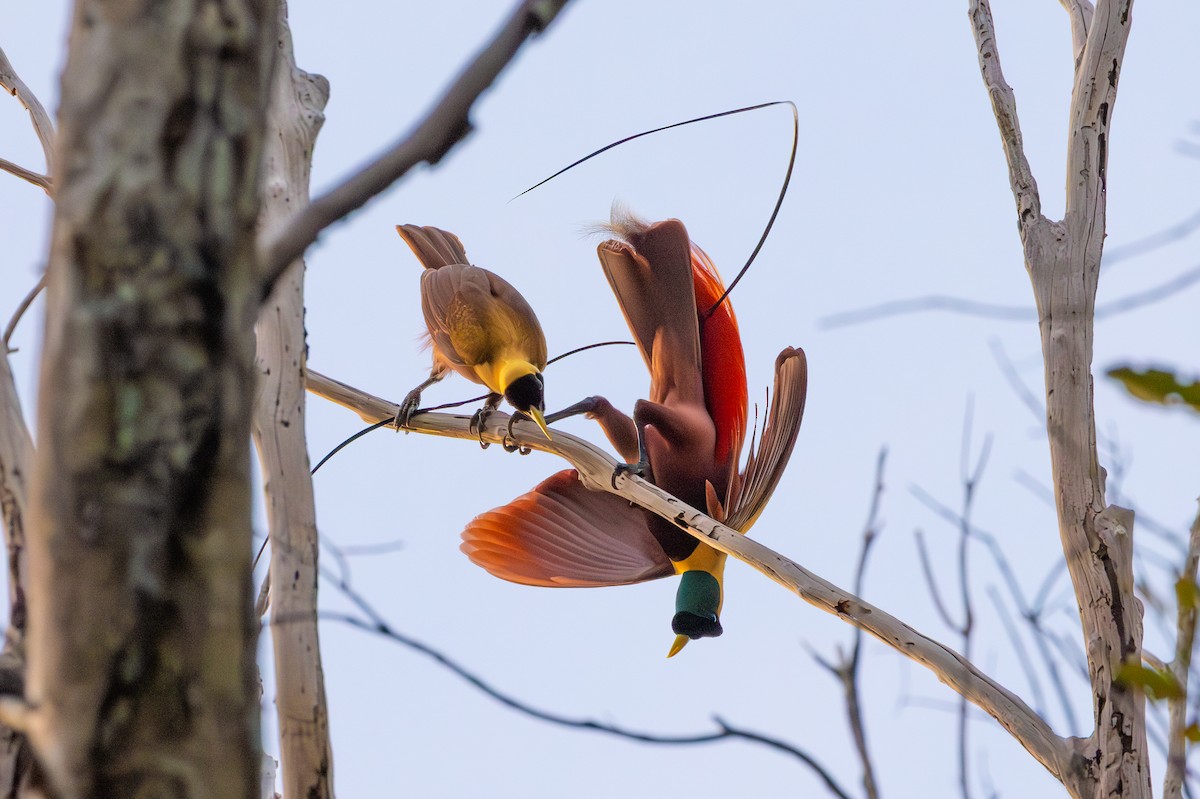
(524, 389)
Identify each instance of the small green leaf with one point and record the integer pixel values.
(1187, 593)
(1192, 733)
(1158, 385)
(1157, 684)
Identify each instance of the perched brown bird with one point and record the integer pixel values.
(686, 438)
(479, 326)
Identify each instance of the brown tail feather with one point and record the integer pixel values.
(433, 246)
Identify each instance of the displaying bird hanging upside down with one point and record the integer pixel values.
(686, 438)
(479, 326)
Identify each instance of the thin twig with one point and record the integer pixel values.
(1013, 378)
(1006, 313)
(21, 309)
(970, 480)
(42, 126)
(1185, 638)
(596, 469)
(28, 175)
(1032, 612)
(1018, 645)
(375, 623)
(931, 583)
(846, 671)
(444, 126)
(1122, 252)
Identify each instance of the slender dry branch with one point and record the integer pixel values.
(1032, 613)
(596, 471)
(442, 128)
(1006, 313)
(970, 478)
(375, 623)
(1149, 243)
(42, 126)
(1185, 639)
(1063, 262)
(306, 755)
(1004, 106)
(1013, 378)
(28, 175)
(848, 669)
(1018, 645)
(11, 327)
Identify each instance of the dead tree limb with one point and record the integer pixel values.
(293, 121)
(596, 471)
(1063, 262)
(846, 669)
(11, 82)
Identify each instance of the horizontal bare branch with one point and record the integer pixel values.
(445, 125)
(1006, 313)
(596, 471)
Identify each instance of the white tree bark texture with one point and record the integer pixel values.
(16, 462)
(42, 126)
(16, 467)
(141, 675)
(596, 469)
(1063, 262)
(306, 757)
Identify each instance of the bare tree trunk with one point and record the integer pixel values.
(16, 457)
(141, 641)
(1063, 261)
(306, 756)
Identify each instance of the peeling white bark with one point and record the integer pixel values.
(1063, 262)
(306, 756)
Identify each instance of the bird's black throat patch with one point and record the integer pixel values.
(527, 392)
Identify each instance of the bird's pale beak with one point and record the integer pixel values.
(540, 421)
(680, 643)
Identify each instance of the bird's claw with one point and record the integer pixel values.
(510, 442)
(406, 409)
(640, 469)
(478, 419)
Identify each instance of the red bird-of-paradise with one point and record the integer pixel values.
(686, 437)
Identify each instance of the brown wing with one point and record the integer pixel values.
(433, 246)
(518, 318)
(651, 276)
(561, 535)
(456, 300)
(748, 494)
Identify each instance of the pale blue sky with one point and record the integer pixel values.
(900, 190)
